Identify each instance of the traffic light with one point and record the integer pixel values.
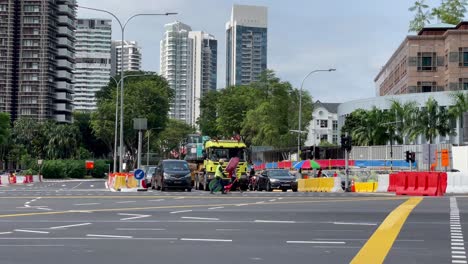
(346, 142)
(408, 156)
(413, 157)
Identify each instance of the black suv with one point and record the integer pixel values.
(174, 174)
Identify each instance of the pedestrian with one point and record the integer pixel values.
(219, 175)
(319, 174)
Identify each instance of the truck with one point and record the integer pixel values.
(203, 155)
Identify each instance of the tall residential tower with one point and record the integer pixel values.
(204, 69)
(93, 61)
(37, 58)
(246, 44)
(176, 67)
(132, 56)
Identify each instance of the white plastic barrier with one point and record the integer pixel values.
(383, 182)
(457, 182)
(5, 179)
(37, 178)
(337, 185)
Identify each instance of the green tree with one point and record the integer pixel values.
(144, 97)
(5, 133)
(432, 121)
(92, 146)
(460, 106)
(451, 11)
(422, 16)
(403, 116)
(208, 114)
(172, 137)
(373, 129)
(64, 140)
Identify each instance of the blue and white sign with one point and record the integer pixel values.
(139, 174)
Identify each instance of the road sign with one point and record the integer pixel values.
(89, 165)
(139, 174)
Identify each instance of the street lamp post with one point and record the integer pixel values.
(117, 114)
(122, 28)
(300, 108)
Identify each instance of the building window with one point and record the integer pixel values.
(3, 7)
(323, 138)
(427, 61)
(323, 123)
(31, 8)
(335, 125)
(31, 20)
(463, 84)
(426, 87)
(30, 77)
(335, 139)
(463, 57)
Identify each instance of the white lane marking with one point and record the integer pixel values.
(214, 208)
(157, 200)
(108, 236)
(272, 200)
(79, 211)
(5, 233)
(183, 211)
(200, 218)
(221, 229)
(77, 185)
(281, 198)
(66, 226)
(87, 204)
(317, 242)
(349, 223)
(43, 208)
(206, 239)
(140, 229)
(134, 216)
(32, 245)
(91, 186)
(31, 231)
(260, 202)
(64, 185)
(177, 198)
(126, 202)
(275, 221)
(456, 233)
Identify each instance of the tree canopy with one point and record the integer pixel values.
(449, 11)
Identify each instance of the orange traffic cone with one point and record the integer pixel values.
(353, 189)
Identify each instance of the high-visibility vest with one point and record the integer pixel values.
(219, 171)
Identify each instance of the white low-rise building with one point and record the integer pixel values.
(324, 124)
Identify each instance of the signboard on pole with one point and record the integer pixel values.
(89, 165)
(445, 158)
(139, 174)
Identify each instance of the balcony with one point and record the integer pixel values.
(65, 64)
(65, 9)
(64, 107)
(64, 86)
(64, 75)
(64, 31)
(63, 118)
(65, 42)
(65, 20)
(64, 96)
(65, 53)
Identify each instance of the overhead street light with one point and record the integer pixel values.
(300, 108)
(117, 113)
(122, 27)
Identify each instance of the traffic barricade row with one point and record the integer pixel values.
(19, 179)
(421, 183)
(365, 186)
(122, 182)
(457, 182)
(320, 185)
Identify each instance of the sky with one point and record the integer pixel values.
(356, 37)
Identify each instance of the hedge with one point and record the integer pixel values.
(60, 169)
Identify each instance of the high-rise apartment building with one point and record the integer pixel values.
(434, 60)
(37, 58)
(176, 67)
(204, 69)
(246, 44)
(93, 61)
(131, 59)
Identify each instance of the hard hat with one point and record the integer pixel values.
(221, 161)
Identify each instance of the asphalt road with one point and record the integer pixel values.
(82, 222)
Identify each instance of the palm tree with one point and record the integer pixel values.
(372, 128)
(421, 17)
(460, 106)
(404, 115)
(432, 121)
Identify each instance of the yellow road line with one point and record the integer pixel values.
(377, 247)
(194, 206)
